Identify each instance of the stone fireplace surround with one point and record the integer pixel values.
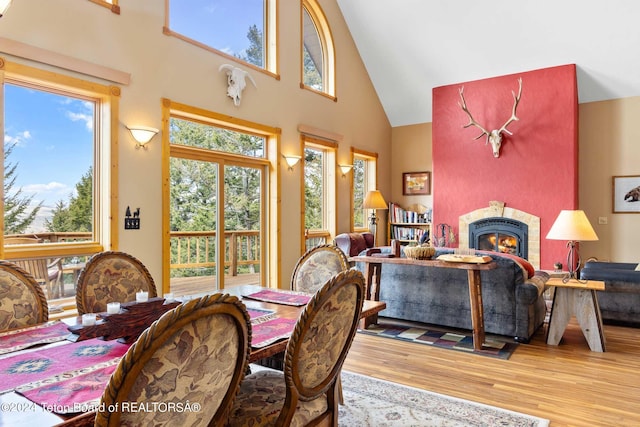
(498, 209)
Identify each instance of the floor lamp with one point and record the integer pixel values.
(374, 201)
(572, 226)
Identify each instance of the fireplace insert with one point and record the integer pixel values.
(500, 234)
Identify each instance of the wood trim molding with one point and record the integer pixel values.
(33, 53)
(319, 133)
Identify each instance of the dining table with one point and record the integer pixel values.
(273, 314)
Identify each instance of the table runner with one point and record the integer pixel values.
(20, 339)
(259, 315)
(280, 297)
(40, 364)
(74, 391)
(268, 332)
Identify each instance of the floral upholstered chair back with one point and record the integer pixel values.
(194, 357)
(317, 266)
(306, 393)
(22, 300)
(111, 277)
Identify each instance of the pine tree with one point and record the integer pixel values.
(18, 215)
(78, 215)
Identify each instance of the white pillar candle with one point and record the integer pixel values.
(142, 296)
(88, 319)
(113, 308)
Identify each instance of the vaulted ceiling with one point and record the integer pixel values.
(411, 46)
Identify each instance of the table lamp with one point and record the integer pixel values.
(572, 226)
(374, 200)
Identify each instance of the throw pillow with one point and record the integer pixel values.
(638, 267)
(523, 263)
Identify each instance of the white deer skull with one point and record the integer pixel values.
(495, 136)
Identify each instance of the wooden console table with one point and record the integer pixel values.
(373, 267)
(579, 299)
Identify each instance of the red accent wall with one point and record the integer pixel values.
(537, 171)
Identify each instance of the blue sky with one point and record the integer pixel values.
(53, 137)
(222, 24)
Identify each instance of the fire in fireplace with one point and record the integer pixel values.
(499, 234)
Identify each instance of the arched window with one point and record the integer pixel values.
(318, 54)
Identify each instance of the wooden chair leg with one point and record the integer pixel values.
(340, 397)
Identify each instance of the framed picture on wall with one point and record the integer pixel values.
(414, 183)
(626, 194)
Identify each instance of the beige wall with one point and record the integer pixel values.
(411, 153)
(162, 66)
(609, 145)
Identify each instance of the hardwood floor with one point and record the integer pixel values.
(567, 384)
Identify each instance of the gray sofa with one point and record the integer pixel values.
(620, 301)
(513, 303)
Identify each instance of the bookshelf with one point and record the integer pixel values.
(408, 225)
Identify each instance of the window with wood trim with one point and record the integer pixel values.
(58, 149)
(317, 51)
(319, 191)
(243, 30)
(217, 213)
(364, 179)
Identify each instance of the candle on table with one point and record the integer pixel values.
(142, 296)
(88, 319)
(113, 307)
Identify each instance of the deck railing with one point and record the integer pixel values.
(196, 249)
(190, 249)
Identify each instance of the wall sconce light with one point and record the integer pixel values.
(345, 169)
(291, 160)
(4, 5)
(142, 135)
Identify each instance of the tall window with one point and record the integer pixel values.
(318, 56)
(364, 180)
(217, 203)
(319, 191)
(241, 29)
(57, 151)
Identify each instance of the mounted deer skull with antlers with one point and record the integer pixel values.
(495, 136)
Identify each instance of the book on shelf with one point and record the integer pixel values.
(407, 233)
(399, 215)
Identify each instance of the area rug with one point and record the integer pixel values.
(372, 402)
(437, 337)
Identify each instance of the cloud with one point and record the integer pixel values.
(87, 118)
(50, 192)
(86, 112)
(19, 139)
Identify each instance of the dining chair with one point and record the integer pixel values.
(316, 266)
(307, 391)
(22, 300)
(196, 353)
(111, 276)
(48, 273)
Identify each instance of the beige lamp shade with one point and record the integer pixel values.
(573, 226)
(374, 200)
